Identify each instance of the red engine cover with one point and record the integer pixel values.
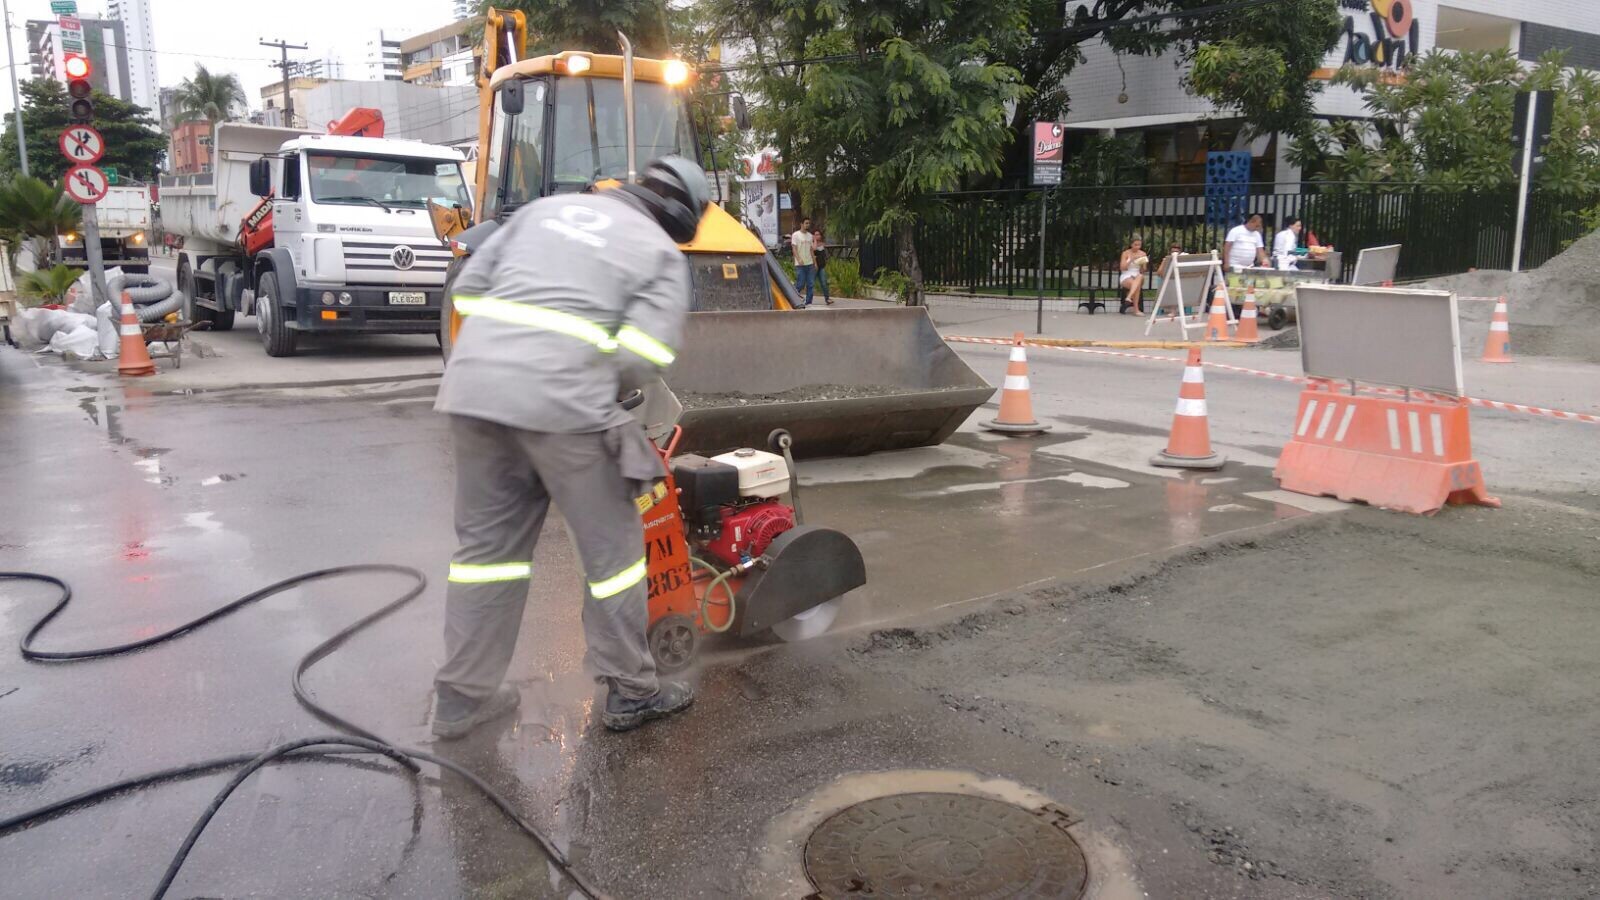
(747, 530)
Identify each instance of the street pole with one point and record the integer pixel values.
(1522, 185)
(91, 250)
(16, 100)
(288, 101)
(1038, 327)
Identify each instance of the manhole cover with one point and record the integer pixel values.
(943, 845)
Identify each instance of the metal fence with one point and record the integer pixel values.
(990, 242)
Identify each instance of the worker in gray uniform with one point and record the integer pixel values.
(577, 299)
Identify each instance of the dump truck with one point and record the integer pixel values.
(123, 216)
(841, 381)
(313, 233)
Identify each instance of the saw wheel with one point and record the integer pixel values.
(674, 639)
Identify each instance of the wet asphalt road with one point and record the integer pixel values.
(158, 506)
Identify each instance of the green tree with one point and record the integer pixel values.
(916, 106)
(133, 145)
(35, 211)
(48, 285)
(1254, 62)
(209, 96)
(592, 24)
(1448, 124)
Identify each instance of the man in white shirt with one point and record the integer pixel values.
(805, 262)
(1244, 246)
(1285, 242)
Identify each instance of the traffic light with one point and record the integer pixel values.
(80, 104)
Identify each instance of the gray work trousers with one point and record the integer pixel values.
(506, 479)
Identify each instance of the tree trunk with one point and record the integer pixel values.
(910, 265)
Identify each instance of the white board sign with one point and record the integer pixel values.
(1393, 336)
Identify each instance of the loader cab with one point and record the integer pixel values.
(558, 125)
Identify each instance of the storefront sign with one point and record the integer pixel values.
(1049, 150)
(1383, 33)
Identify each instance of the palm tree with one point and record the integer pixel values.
(48, 285)
(209, 96)
(35, 211)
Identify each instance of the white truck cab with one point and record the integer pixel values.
(344, 243)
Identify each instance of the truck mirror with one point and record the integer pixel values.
(261, 177)
(511, 99)
(741, 112)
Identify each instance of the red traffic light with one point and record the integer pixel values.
(77, 66)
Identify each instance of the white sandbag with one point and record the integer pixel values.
(81, 342)
(108, 326)
(47, 322)
(81, 296)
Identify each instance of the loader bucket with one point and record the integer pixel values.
(843, 382)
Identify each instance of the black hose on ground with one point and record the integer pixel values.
(359, 741)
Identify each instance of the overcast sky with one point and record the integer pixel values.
(222, 35)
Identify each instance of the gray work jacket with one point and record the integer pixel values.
(574, 297)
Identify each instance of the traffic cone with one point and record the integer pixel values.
(1016, 400)
(1189, 446)
(134, 358)
(1497, 349)
(1217, 327)
(1246, 331)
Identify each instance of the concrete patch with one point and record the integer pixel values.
(1132, 452)
(1082, 478)
(887, 466)
(1302, 501)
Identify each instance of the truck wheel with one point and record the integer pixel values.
(276, 337)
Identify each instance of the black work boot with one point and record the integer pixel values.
(455, 715)
(622, 714)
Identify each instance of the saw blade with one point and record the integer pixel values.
(809, 624)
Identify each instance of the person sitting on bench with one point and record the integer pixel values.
(1132, 266)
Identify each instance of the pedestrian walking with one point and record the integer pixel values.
(819, 252)
(531, 390)
(805, 262)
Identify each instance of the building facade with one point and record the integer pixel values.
(447, 55)
(380, 59)
(1112, 93)
(104, 45)
(140, 43)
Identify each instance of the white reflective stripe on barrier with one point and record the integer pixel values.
(1018, 355)
(1016, 383)
(1187, 407)
(1416, 430)
(1305, 420)
(1327, 419)
(1438, 434)
(1194, 375)
(1344, 423)
(1394, 429)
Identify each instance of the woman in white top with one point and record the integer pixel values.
(1285, 242)
(1132, 266)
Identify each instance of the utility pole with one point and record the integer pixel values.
(16, 100)
(284, 64)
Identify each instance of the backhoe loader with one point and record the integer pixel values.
(843, 382)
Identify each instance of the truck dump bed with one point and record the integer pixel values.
(843, 382)
(210, 205)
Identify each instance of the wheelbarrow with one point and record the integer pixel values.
(170, 336)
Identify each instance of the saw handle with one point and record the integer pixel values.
(781, 441)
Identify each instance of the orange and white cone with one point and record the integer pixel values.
(1217, 327)
(1497, 349)
(1016, 398)
(1189, 446)
(1246, 330)
(133, 357)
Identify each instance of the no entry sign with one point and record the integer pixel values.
(82, 145)
(86, 184)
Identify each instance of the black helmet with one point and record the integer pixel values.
(676, 193)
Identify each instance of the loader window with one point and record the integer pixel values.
(591, 135)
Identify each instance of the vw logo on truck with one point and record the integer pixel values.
(403, 257)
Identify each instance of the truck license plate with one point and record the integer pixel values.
(408, 298)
